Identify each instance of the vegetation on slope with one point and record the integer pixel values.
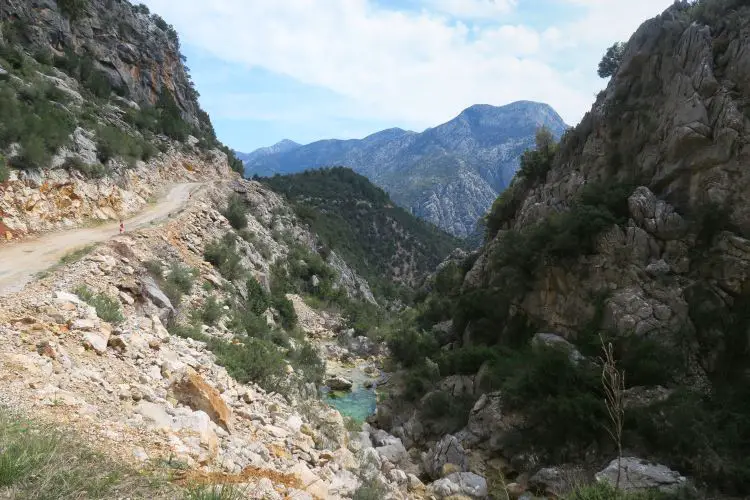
(701, 433)
(40, 113)
(358, 220)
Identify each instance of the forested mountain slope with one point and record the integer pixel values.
(357, 219)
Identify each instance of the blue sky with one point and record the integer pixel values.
(315, 69)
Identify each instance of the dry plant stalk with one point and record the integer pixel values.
(613, 381)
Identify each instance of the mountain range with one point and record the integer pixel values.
(448, 175)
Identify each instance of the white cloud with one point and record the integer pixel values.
(472, 9)
(419, 68)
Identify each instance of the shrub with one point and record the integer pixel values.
(306, 359)
(112, 142)
(212, 311)
(257, 298)
(235, 212)
(562, 402)
(255, 360)
(4, 171)
(370, 490)
(214, 492)
(107, 308)
(222, 253)
(286, 311)
(73, 9)
(611, 60)
(178, 282)
(155, 268)
(410, 347)
(466, 360)
(33, 154)
(451, 411)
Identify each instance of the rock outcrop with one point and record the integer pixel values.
(138, 52)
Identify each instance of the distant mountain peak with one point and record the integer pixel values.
(448, 175)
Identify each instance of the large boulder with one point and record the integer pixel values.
(489, 424)
(554, 341)
(447, 451)
(460, 483)
(339, 383)
(638, 474)
(555, 481)
(192, 390)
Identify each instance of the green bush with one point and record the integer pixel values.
(107, 308)
(235, 212)
(465, 360)
(410, 347)
(73, 9)
(4, 170)
(306, 359)
(256, 360)
(214, 492)
(212, 311)
(112, 142)
(603, 491)
(178, 282)
(562, 403)
(222, 253)
(257, 298)
(451, 411)
(286, 311)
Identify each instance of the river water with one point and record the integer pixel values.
(361, 401)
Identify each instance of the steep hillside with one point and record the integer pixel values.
(449, 175)
(91, 90)
(632, 231)
(382, 242)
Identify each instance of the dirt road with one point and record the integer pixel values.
(20, 262)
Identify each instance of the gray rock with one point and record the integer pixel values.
(3, 73)
(658, 268)
(460, 483)
(394, 451)
(557, 342)
(554, 481)
(339, 383)
(447, 451)
(154, 414)
(638, 474)
(151, 290)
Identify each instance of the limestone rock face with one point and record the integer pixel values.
(447, 451)
(460, 483)
(637, 474)
(192, 390)
(129, 46)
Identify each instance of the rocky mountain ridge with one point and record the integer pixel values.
(449, 175)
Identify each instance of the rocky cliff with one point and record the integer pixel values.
(138, 52)
(633, 231)
(448, 175)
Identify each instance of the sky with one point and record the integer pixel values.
(306, 70)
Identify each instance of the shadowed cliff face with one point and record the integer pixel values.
(139, 52)
(672, 121)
